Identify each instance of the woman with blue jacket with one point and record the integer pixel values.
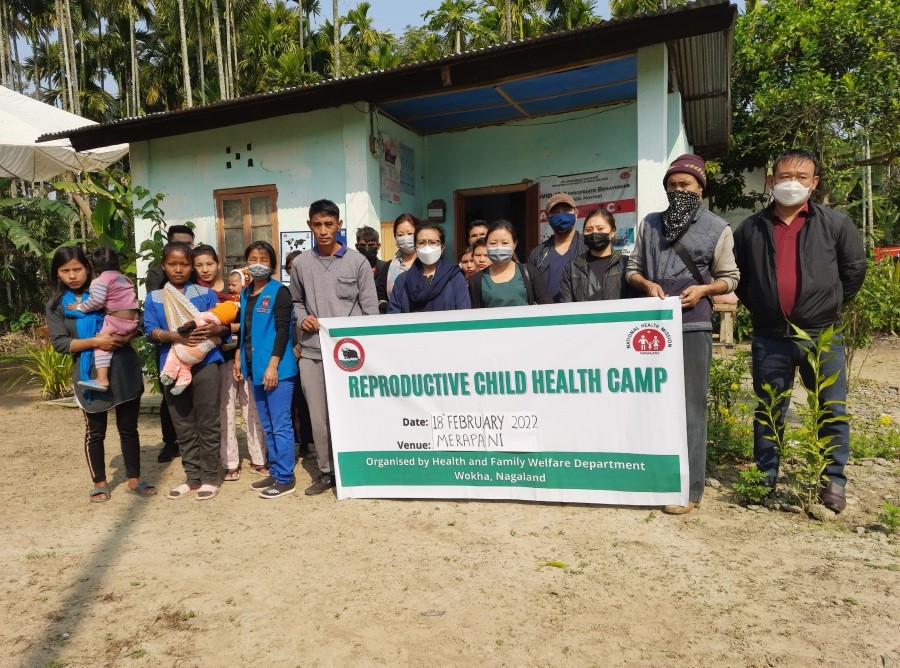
(430, 283)
(269, 363)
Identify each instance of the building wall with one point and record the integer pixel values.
(322, 154)
(581, 141)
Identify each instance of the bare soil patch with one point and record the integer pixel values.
(311, 581)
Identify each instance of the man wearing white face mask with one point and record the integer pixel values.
(800, 262)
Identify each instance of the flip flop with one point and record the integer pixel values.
(181, 491)
(143, 489)
(207, 492)
(232, 475)
(96, 492)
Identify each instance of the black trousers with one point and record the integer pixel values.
(195, 414)
(165, 418)
(95, 435)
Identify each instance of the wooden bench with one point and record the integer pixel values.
(726, 322)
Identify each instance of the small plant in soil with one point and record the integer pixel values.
(751, 486)
(805, 457)
(890, 517)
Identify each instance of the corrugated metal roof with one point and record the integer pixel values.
(686, 26)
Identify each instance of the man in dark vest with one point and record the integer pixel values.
(687, 251)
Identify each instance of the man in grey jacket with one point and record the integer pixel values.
(687, 251)
(327, 281)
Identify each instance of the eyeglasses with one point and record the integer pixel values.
(428, 243)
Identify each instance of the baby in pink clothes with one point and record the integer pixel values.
(114, 293)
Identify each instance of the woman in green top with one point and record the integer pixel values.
(506, 282)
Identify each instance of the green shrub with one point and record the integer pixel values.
(751, 486)
(729, 430)
(42, 366)
(890, 518)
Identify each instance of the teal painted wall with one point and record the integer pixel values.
(323, 154)
(327, 154)
(582, 141)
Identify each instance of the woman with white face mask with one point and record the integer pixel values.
(431, 283)
(506, 282)
(405, 227)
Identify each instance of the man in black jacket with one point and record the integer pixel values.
(800, 262)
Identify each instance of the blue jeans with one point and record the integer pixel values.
(274, 408)
(775, 361)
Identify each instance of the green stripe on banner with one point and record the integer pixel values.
(613, 471)
(503, 323)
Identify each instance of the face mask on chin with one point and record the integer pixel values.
(790, 193)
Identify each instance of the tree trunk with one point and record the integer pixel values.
(135, 70)
(200, 55)
(300, 21)
(235, 72)
(69, 96)
(3, 47)
(15, 55)
(309, 51)
(228, 65)
(70, 41)
(185, 69)
(508, 23)
(457, 47)
(223, 92)
(337, 40)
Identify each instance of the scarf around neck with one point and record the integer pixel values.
(677, 218)
(87, 325)
(418, 293)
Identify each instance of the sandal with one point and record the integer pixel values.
(232, 474)
(143, 488)
(260, 469)
(181, 491)
(207, 491)
(94, 495)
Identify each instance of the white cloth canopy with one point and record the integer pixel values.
(23, 120)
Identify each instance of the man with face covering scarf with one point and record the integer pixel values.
(672, 250)
(800, 262)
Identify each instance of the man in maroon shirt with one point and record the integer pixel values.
(799, 263)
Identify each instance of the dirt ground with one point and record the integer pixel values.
(313, 581)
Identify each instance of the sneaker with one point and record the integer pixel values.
(278, 489)
(169, 452)
(265, 483)
(324, 482)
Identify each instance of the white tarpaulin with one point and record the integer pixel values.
(489, 404)
(23, 120)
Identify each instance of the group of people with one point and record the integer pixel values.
(249, 339)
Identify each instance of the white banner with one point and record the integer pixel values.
(565, 402)
(613, 189)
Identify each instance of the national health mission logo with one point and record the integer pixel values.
(649, 339)
(349, 354)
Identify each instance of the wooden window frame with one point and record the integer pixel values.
(246, 193)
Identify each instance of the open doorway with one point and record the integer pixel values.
(517, 203)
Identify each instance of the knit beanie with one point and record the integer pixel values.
(689, 163)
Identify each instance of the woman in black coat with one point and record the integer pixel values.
(599, 273)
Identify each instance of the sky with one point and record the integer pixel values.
(395, 15)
